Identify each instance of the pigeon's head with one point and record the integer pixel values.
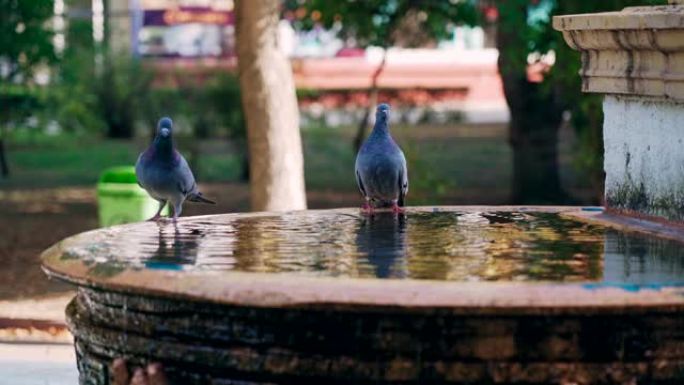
(382, 112)
(164, 127)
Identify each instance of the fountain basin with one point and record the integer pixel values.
(506, 295)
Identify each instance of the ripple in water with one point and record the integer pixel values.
(487, 246)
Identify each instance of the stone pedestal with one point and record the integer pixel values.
(636, 58)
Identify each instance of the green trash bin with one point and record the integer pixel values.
(121, 200)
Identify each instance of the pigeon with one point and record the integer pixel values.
(381, 167)
(164, 173)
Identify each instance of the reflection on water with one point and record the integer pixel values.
(173, 249)
(642, 260)
(382, 240)
(458, 246)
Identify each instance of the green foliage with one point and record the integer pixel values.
(426, 185)
(76, 159)
(517, 31)
(223, 96)
(440, 162)
(107, 99)
(25, 40)
(19, 102)
(162, 101)
(309, 93)
(71, 98)
(381, 22)
(121, 88)
(212, 108)
(76, 115)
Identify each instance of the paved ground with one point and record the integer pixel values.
(30, 364)
(48, 307)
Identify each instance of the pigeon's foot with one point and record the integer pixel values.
(159, 219)
(153, 374)
(396, 209)
(367, 208)
(155, 218)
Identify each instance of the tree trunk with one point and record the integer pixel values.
(4, 167)
(535, 165)
(535, 115)
(533, 136)
(270, 104)
(372, 102)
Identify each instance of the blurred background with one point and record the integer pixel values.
(485, 97)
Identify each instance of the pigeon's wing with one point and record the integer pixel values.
(184, 178)
(403, 180)
(138, 171)
(186, 183)
(360, 183)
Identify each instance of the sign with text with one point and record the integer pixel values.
(187, 15)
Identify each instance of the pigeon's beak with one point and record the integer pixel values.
(164, 132)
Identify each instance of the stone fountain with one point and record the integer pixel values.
(532, 295)
(486, 295)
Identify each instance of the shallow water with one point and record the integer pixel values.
(457, 246)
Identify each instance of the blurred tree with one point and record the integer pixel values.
(76, 74)
(524, 27)
(382, 23)
(25, 44)
(270, 105)
(536, 111)
(25, 39)
(224, 97)
(79, 49)
(120, 88)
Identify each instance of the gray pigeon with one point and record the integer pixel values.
(165, 174)
(381, 167)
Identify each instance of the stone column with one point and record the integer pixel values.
(636, 58)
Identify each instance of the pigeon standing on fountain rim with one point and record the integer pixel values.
(164, 173)
(381, 166)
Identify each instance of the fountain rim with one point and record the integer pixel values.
(358, 294)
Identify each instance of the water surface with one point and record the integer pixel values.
(456, 246)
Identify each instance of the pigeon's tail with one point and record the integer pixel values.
(199, 198)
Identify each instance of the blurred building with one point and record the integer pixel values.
(172, 28)
(191, 39)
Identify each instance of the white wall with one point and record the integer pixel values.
(644, 155)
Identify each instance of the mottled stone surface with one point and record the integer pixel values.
(208, 343)
(644, 157)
